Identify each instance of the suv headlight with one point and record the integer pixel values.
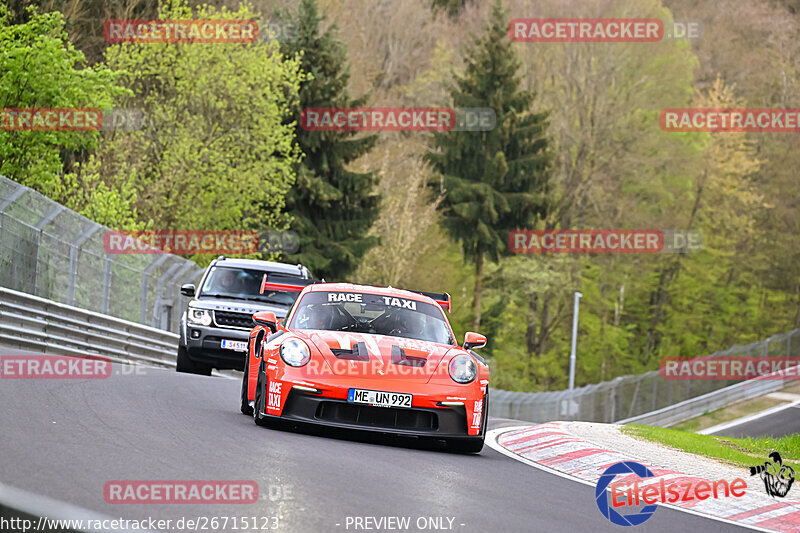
(199, 316)
(295, 352)
(462, 368)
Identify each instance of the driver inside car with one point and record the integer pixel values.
(226, 281)
(317, 317)
(408, 324)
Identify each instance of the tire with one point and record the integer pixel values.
(246, 408)
(184, 364)
(260, 402)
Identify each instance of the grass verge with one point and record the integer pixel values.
(736, 452)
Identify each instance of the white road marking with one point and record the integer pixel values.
(745, 419)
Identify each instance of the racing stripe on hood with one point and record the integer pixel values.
(383, 350)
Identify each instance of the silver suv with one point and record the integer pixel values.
(216, 325)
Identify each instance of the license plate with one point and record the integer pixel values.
(379, 398)
(239, 346)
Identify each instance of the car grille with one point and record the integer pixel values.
(377, 417)
(229, 319)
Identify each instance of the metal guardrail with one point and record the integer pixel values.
(687, 409)
(29, 322)
(644, 396)
(56, 253)
(22, 511)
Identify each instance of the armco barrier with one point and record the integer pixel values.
(32, 323)
(35, 324)
(23, 512)
(693, 407)
(647, 397)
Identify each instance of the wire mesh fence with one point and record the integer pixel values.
(53, 252)
(628, 396)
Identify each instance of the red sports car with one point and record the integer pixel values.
(368, 358)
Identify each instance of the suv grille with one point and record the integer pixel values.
(229, 319)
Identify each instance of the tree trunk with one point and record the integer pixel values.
(531, 329)
(477, 298)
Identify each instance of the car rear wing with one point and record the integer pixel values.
(278, 282)
(443, 299)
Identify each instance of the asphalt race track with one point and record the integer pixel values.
(778, 424)
(66, 438)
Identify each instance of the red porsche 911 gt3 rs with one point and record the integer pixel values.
(367, 358)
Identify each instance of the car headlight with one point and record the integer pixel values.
(294, 352)
(199, 316)
(462, 368)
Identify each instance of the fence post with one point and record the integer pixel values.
(145, 282)
(158, 304)
(107, 273)
(73, 260)
(39, 229)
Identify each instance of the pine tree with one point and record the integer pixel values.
(333, 208)
(493, 181)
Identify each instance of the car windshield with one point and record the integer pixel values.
(242, 284)
(372, 313)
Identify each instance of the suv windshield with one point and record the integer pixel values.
(242, 284)
(372, 313)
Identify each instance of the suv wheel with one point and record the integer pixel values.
(184, 364)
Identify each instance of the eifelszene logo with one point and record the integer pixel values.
(601, 494)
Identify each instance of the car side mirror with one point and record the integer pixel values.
(473, 341)
(188, 289)
(267, 319)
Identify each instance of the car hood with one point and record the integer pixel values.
(377, 355)
(240, 306)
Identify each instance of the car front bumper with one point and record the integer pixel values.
(440, 422)
(203, 345)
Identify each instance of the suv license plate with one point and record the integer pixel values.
(239, 346)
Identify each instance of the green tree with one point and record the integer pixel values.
(332, 207)
(39, 67)
(492, 181)
(216, 150)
